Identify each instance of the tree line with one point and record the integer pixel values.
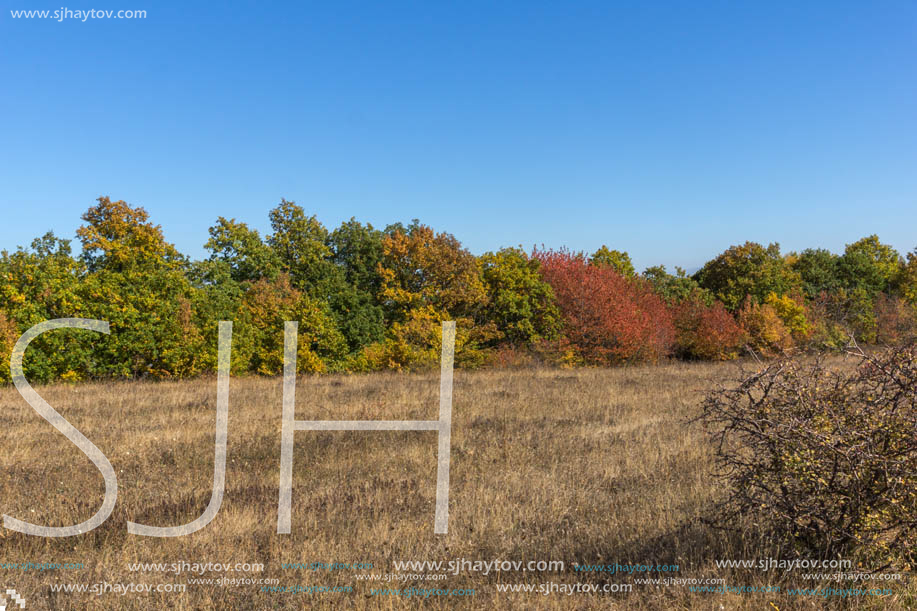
(372, 299)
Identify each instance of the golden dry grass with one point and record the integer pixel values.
(589, 466)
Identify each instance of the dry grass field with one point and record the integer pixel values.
(589, 466)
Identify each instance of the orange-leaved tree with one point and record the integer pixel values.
(704, 329)
(428, 277)
(608, 318)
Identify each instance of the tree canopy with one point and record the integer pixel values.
(369, 299)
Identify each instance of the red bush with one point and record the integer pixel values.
(705, 331)
(608, 318)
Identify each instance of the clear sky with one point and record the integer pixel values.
(668, 129)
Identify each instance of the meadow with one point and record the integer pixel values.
(588, 465)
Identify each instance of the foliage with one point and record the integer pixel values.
(355, 284)
(138, 283)
(792, 313)
(827, 313)
(520, 303)
(616, 259)
(357, 314)
(818, 269)
(675, 288)
(271, 303)
(896, 320)
(607, 318)
(869, 265)
(118, 237)
(427, 278)
(748, 270)
(907, 279)
(705, 330)
(421, 268)
(9, 333)
(765, 332)
(370, 299)
(826, 459)
(300, 242)
(151, 322)
(38, 284)
(859, 313)
(217, 296)
(243, 250)
(357, 249)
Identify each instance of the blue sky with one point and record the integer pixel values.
(671, 130)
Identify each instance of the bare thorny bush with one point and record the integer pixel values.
(823, 459)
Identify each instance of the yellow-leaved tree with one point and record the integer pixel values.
(426, 278)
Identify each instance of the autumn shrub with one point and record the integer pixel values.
(705, 330)
(829, 333)
(424, 269)
(792, 313)
(765, 332)
(859, 314)
(415, 344)
(268, 305)
(825, 459)
(608, 319)
(427, 278)
(411, 344)
(842, 316)
(8, 336)
(896, 320)
(511, 356)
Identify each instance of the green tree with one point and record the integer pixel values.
(243, 250)
(138, 283)
(908, 279)
(859, 316)
(616, 259)
(38, 284)
(675, 289)
(870, 265)
(218, 296)
(354, 285)
(301, 244)
(818, 269)
(748, 270)
(357, 249)
(41, 282)
(521, 303)
(152, 323)
(357, 313)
